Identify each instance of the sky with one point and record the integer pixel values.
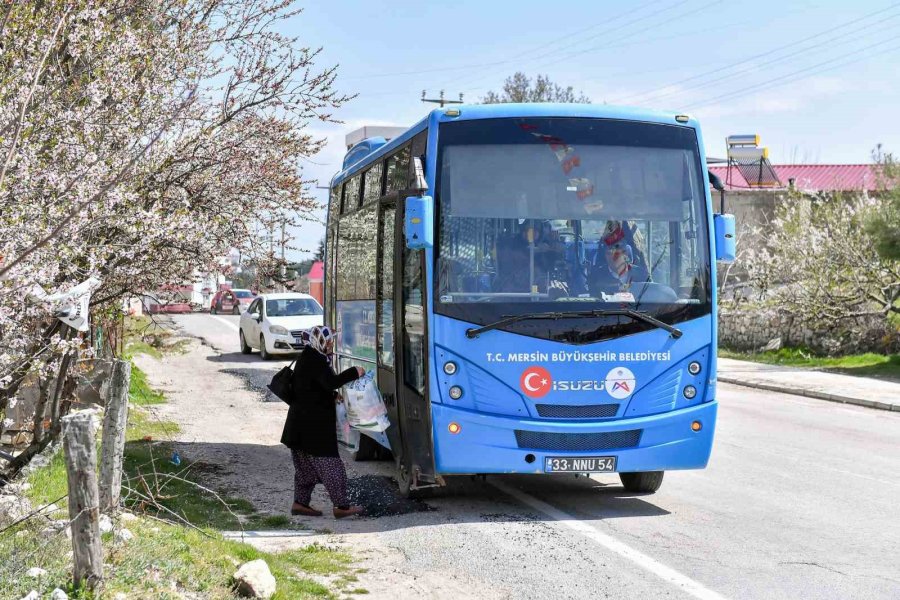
(818, 81)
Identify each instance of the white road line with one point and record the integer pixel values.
(226, 321)
(686, 584)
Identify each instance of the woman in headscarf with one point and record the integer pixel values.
(309, 430)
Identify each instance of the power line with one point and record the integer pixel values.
(607, 46)
(814, 68)
(633, 42)
(754, 57)
(613, 30)
(594, 26)
(624, 25)
(506, 60)
(830, 42)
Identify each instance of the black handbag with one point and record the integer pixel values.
(281, 383)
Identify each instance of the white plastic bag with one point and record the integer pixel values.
(365, 408)
(347, 437)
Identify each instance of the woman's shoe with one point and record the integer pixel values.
(351, 511)
(307, 511)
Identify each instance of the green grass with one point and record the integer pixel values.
(196, 558)
(162, 554)
(883, 366)
(141, 392)
(171, 491)
(145, 336)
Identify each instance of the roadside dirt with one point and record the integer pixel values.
(220, 404)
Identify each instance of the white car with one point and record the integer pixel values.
(273, 323)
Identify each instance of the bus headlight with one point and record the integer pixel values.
(450, 368)
(456, 392)
(690, 392)
(694, 368)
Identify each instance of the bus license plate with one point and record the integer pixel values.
(579, 464)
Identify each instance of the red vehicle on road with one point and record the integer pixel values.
(169, 308)
(231, 301)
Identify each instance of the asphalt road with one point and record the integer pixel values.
(800, 500)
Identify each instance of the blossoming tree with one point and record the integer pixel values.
(140, 140)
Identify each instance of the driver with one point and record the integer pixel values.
(618, 263)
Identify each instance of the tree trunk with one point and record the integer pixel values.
(39, 442)
(63, 372)
(84, 513)
(18, 375)
(113, 446)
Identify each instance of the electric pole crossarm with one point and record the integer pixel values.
(441, 100)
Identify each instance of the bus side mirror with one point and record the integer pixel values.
(418, 222)
(725, 240)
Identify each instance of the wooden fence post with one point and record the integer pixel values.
(113, 446)
(80, 450)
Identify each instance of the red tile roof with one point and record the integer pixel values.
(316, 271)
(824, 178)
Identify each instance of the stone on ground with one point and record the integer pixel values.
(12, 508)
(255, 580)
(35, 572)
(32, 595)
(58, 594)
(123, 535)
(773, 345)
(106, 524)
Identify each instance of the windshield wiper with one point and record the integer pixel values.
(637, 315)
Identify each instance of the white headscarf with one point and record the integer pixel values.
(319, 336)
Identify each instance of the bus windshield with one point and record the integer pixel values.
(563, 214)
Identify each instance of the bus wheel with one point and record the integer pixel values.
(642, 483)
(404, 481)
(367, 449)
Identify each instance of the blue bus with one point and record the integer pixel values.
(535, 287)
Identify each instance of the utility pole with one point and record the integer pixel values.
(282, 266)
(442, 101)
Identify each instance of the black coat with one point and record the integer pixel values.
(311, 418)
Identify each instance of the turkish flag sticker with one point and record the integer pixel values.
(536, 382)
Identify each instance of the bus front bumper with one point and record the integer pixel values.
(490, 444)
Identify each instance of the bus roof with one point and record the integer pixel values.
(468, 112)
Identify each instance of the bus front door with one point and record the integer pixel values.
(402, 365)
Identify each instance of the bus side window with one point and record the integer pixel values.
(334, 202)
(397, 170)
(385, 291)
(413, 320)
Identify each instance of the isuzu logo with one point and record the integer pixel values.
(536, 382)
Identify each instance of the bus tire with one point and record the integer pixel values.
(642, 483)
(367, 449)
(404, 482)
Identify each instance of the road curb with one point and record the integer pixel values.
(799, 391)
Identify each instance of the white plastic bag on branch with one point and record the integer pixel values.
(70, 307)
(365, 407)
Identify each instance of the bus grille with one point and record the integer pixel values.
(571, 411)
(578, 442)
